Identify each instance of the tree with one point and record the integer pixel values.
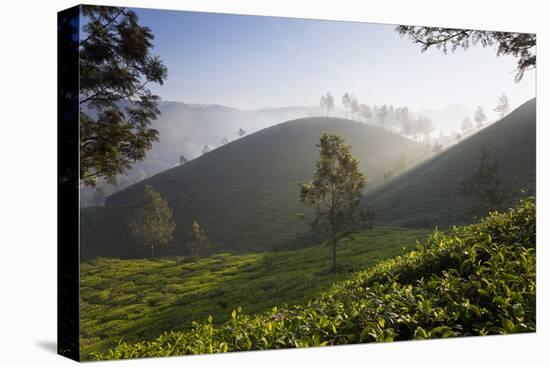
(383, 115)
(424, 127)
(205, 149)
(522, 46)
(483, 186)
(224, 141)
(354, 106)
(480, 117)
(365, 111)
(241, 133)
(503, 107)
(336, 190)
(466, 125)
(152, 220)
(330, 103)
(198, 246)
(183, 160)
(346, 100)
(116, 108)
(323, 104)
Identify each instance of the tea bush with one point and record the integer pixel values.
(476, 280)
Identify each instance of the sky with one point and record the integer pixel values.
(253, 62)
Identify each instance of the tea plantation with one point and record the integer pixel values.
(140, 299)
(475, 280)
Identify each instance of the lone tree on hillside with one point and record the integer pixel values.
(503, 107)
(329, 103)
(353, 106)
(483, 186)
(336, 190)
(520, 45)
(241, 133)
(198, 246)
(205, 149)
(183, 160)
(466, 125)
(346, 101)
(152, 220)
(116, 108)
(323, 104)
(480, 117)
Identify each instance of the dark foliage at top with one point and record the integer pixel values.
(116, 65)
(519, 45)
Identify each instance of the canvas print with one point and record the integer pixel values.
(237, 182)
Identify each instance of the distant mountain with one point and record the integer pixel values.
(428, 196)
(246, 193)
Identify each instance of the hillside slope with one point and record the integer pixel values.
(477, 280)
(427, 195)
(246, 193)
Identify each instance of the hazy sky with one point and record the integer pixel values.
(251, 62)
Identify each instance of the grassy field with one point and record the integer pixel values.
(474, 280)
(140, 299)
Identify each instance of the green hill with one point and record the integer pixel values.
(427, 195)
(245, 194)
(139, 299)
(476, 280)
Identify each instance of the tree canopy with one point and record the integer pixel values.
(116, 108)
(336, 190)
(152, 221)
(522, 46)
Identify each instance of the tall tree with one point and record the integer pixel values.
(205, 149)
(116, 108)
(483, 186)
(365, 111)
(522, 46)
(353, 106)
(151, 220)
(323, 104)
(466, 125)
(480, 117)
(330, 103)
(336, 190)
(383, 115)
(346, 100)
(241, 133)
(183, 160)
(198, 246)
(503, 107)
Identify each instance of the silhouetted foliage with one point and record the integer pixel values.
(519, 45)
(241, 133)
(483, 186)
(183, 160)
(336, 190)
(115, 67)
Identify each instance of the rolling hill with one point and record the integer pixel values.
(245, 193)
(427, 195)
